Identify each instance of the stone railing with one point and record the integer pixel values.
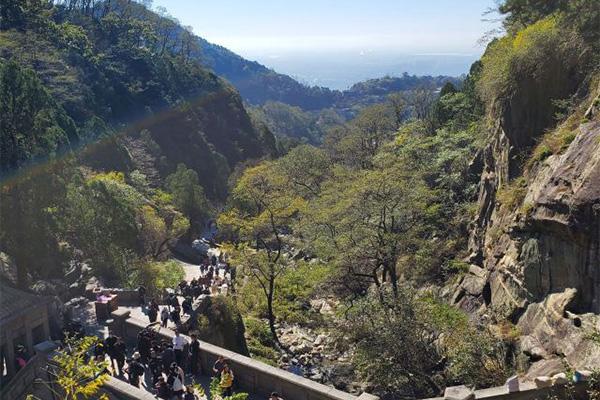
(21, 383)
(252, 376)
(117, 389)
(527, 391)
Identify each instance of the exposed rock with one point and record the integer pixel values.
(560, 379)
(549, 326)
(473, 284)
(543, 381)
(531, 347)
(547, 368)
(540, 262)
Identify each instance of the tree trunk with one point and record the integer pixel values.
(270, 312)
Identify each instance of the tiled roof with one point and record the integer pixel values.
(14, 302)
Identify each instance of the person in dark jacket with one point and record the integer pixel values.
(186, 305)
(194, 355)
(176, 315)
(163, 391)
(153, 311)
(156, 366)
(168, 357)
(142, 295)
(135, 370)
(119, 351)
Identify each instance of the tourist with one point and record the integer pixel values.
(175, 367)
(194, 355)
(164, 317)
(99, 351)
(144, 346)
(186, 305)
(109, 344)
(163, 391)
(189, 393)
(21, 357)
(179, 343)
(226, 382)
(142, 295)
(135, 370)
(168, 357)
(275, 396)
(153, 311)
(156, 366)
(173, 301)
(182, 286)
(218, 366)
(176, 315)
(119, 351)
(175, 381)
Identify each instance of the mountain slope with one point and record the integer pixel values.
(107, 73)
(535, 241)
(258, 84)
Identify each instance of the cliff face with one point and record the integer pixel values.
(537, 263)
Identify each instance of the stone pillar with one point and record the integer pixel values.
(28, 336)
(117, 326)
(10, 354)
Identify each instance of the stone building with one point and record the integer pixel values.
(23, 322)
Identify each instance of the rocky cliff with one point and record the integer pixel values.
(535, 243)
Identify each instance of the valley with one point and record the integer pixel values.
(408, 237)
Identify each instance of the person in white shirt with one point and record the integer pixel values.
(179, 343)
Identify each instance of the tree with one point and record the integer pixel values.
(375, 125)
(78, 375)
(33, 125)
(365, 220)
(259, 216)
(398, 104)
(160, 228)
(395, 347)
(412, 345)
(102, 221)
(30, 212)
(305, 167)
(188, 195)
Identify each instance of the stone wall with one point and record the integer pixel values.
(20, 384)
(252, 376)
(528, 391)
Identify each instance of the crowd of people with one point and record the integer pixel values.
(216, 277)
(157, 365)
(161, 366)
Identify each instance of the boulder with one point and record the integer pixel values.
(547, 367)
(552, 328)
(473, 284)
(543, 381)
(560, 379)
(531, 347)
(320, 340)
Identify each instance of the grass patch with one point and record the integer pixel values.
(259, 340)
(513, 194)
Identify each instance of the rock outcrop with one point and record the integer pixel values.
(538, 263)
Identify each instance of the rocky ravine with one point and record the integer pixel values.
(539, 265)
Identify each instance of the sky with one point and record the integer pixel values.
(282, 33)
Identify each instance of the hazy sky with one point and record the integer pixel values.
(253, 27)
(336, 43)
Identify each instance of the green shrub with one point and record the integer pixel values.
(157, 276)
(525, 54)
(260, 342)
(512, 194)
